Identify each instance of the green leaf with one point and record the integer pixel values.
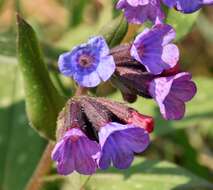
(43, 102)
(150, 175)
(116, 12)
(199, 111)
(181, 22)
(20, 146)
(115, 31)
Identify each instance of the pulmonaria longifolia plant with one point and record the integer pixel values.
(95, 133)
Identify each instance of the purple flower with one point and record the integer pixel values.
(89, 63)
(153, 49)
(75, 152)
(171, 93)
(139, 11)
(187, 6)
(87, 128)
(119, 143)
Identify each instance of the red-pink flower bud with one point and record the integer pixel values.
(141, 120)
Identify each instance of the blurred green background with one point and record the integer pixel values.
(186, 146)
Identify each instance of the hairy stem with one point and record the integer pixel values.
(42, 169)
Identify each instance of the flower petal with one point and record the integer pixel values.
(171, 93)
(119, 143)
(65, 165)
(106, 68)
(184, 90)
(88, 80)
(170, 55)
(100, 44)
(84, 163)
(186, 6)
(135, 3)
(151, 49)
(139, 11)
(65, 65)
(173, 108)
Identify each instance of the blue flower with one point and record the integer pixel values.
(187, 6)
(88, 64)
(119, 143)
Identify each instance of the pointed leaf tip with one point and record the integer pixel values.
(18, 18)
(43, 102)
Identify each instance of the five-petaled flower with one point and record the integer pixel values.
(75, 152)
(140, 11)
(187, 6)
(119, 143)
(88, 63)
(171, 93)
(153, 49)
(170, 89)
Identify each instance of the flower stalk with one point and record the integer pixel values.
(42, 169)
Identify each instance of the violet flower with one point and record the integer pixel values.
(153, 49)
(89, 63)
(121, 130)
(171, 89)
(171, 93)
(139, 11)
(119, 143)
(85, 129)
(75, 152)
(187, 6)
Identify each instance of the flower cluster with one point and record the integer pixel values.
(140, 11)
(93, 132)
(150, 69)
(96, 132)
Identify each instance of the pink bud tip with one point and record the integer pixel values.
(143, 121)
